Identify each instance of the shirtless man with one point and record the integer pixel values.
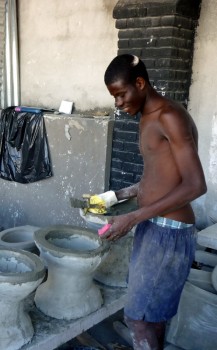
(164, 241)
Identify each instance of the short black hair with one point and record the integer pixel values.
(127, 68)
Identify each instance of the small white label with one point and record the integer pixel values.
(66, 107)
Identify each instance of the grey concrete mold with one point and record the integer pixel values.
(71, 254)
(204, 278)
(113, 271)
(62, 240)
(20, 237)
(208, 237)
(20, 274)
(195, 325)
(81, 153)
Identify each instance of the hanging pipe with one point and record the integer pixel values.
(11, 50)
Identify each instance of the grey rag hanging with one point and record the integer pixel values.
(24, 151)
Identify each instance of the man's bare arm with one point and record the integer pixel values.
(128, 192)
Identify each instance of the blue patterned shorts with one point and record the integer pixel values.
(160, 263)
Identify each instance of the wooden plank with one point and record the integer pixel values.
(118, 347)
(123, 331)
(86, 339)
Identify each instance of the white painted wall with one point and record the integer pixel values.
(65, 47)
(203, 106)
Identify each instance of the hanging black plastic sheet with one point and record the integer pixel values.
(24, 150)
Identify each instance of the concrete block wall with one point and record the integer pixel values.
(127, 163)
(161, 33)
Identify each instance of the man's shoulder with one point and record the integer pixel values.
(174, 112)
(173, 107)
(176, 122)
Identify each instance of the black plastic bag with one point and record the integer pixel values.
(24, 151)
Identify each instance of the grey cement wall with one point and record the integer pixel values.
(203, 107)
(81, 152)
(65, 47)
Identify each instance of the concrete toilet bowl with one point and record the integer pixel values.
(113, 271)
(71, 255)
(20, 274)
(20, 237)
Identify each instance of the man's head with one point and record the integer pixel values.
(127, 81)
(126, 68)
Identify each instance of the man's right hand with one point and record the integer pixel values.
(120, 226)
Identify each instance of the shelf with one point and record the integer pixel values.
(51, 333)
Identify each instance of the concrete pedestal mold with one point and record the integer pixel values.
(202, 279)
(195, 325)
(71, 255)
(20, 274)
(20, 237)
(114, 269)
(205, 277)
(208, 237)
(207, 260)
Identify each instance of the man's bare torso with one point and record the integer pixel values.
(161, 174)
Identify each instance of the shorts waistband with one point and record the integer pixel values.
(165, 222)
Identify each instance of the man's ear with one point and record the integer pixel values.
(140, 83)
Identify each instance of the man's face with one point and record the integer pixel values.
(128, 97)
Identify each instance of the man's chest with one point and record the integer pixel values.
(152, 138)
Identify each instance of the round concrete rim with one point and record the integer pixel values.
(41, 242)
(33, 261)
(17, 245)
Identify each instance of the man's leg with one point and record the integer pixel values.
(146, 335)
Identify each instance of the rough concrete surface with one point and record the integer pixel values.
(80, 150)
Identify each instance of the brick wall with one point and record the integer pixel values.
(161, 33)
